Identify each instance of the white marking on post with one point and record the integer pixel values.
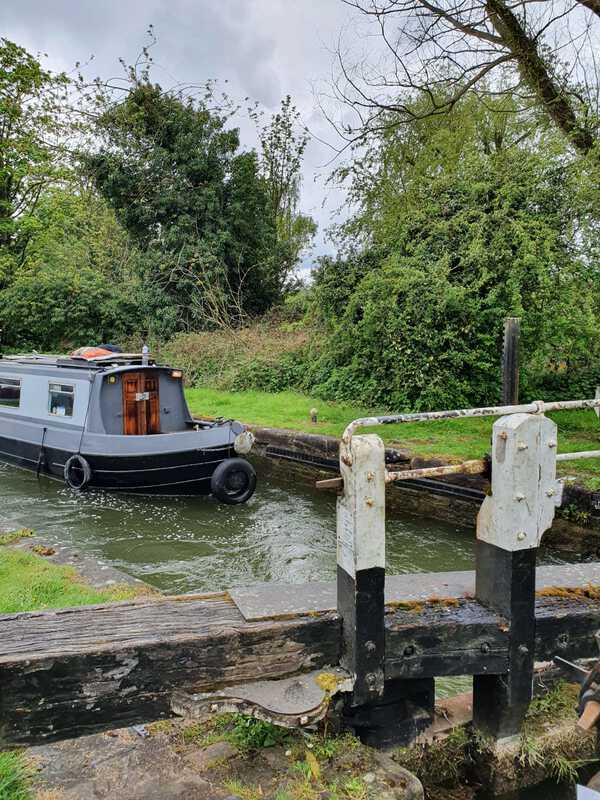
(361, 508)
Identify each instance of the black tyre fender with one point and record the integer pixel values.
(234, 481)
(77, 473)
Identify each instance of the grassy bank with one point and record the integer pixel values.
(15, 777)
(455, 439)
(29, 583)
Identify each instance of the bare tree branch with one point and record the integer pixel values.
(593, 5)
(536, 74)
(433, 52)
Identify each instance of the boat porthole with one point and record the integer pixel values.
(233, 481)
(77, 473)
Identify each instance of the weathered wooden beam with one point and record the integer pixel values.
(510, 361)
(462, 637)
(447, 637)
(68, 672)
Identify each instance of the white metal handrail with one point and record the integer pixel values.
(535, 407)
(577, 455)
(470, 467)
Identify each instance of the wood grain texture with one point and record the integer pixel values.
(69, 672)
(465, 638)
(459, 638)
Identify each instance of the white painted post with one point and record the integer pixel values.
(361, 564)
(510, 526)
(525, 492)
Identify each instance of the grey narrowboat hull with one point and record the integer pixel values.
(175, 463)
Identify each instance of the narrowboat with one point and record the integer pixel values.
(120, 422)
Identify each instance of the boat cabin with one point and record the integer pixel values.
(114, 396)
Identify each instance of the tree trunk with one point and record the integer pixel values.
(536, 75)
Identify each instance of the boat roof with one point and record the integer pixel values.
(98, 363)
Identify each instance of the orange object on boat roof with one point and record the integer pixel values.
(90, 353)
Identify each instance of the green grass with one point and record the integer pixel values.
(29, 583)
(14, 777)
(246, 733)
(455, 439)
(557, 704)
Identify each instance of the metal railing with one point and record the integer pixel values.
(477, 466)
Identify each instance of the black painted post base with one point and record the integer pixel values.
(360, 602)
(402, 713)
(381, 713)
(505, 582)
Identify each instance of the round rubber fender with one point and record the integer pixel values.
(233, 481)
(77, 473)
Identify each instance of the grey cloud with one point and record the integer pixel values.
(263, 48)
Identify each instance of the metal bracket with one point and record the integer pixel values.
(291, 703)
(525, 492)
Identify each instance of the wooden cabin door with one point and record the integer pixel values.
(141, 411)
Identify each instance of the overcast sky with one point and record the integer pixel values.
(264, 48)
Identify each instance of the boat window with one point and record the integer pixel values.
(10, 392)
(61, 397)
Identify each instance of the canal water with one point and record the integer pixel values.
(285, 534)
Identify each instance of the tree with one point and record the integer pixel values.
(78, 282)
(195, 205)
(282, 145)
(543, 52)
(31, 152)
(460, 221)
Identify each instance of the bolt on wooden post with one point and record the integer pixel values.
(510, 525)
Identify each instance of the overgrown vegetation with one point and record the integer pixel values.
(262, 355)
(456, 759)
(461, 221)
(305, 766)
(442, 764)
(557, 704)
(128, 209)
(161, 224)
(560, 757)
(245, 732)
